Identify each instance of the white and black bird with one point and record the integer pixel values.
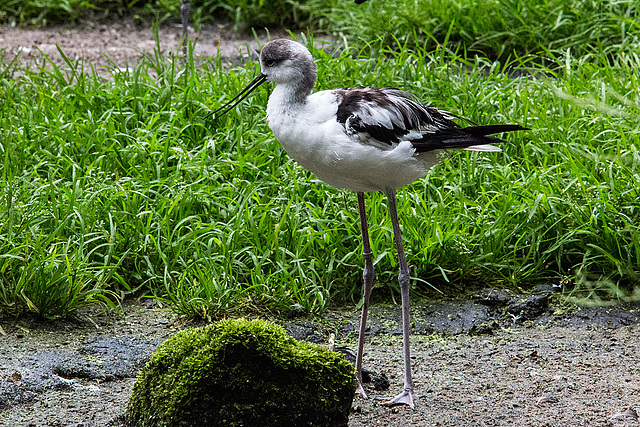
(362, 139)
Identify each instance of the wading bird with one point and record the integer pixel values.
(362, 139)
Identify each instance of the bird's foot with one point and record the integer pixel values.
(360, 390)
(404, 398)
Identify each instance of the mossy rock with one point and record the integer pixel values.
(242, 373)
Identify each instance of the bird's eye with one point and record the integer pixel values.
(269, 62)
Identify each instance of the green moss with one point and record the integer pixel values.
(242, 373)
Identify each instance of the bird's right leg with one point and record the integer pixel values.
(367, 276)
(406, 396)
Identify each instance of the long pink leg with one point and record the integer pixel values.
(406, 396)
(367, 275)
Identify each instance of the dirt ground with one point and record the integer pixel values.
(577, 368)
(123, 42)
(550, 369)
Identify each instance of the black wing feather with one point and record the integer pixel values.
(462, 137)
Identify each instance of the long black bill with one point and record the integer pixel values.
(242, 95)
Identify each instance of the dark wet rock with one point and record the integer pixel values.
(119, 357)
(304, 331)
(486, 328)
(379, 380)
(37, 374)
(449, 318)
(528, 308)
(612, 317)
(381, 319)
(494, 297)
(12, 393)
(100, 358)
(491, 309)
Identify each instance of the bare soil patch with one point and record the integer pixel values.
(123, 43)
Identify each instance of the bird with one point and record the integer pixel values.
(364, 139)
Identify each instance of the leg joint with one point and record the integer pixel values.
(404, 279)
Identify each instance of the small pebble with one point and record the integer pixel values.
(547, 399)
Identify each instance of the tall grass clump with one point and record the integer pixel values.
(111, 186)
(494, 29)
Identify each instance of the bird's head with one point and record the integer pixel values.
(286, 61)
(281, 61)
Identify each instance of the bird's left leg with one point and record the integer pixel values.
(367, 276)
(406, 396)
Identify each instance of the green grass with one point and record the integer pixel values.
(498, 29)
(110, 187)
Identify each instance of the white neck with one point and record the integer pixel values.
(286, 98)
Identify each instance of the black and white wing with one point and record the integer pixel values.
(386, 117)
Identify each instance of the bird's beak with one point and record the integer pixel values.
(242, 95)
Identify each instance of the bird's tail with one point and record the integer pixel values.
(481, 132)
(491, 129)
(473, 138)
(483, 147)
